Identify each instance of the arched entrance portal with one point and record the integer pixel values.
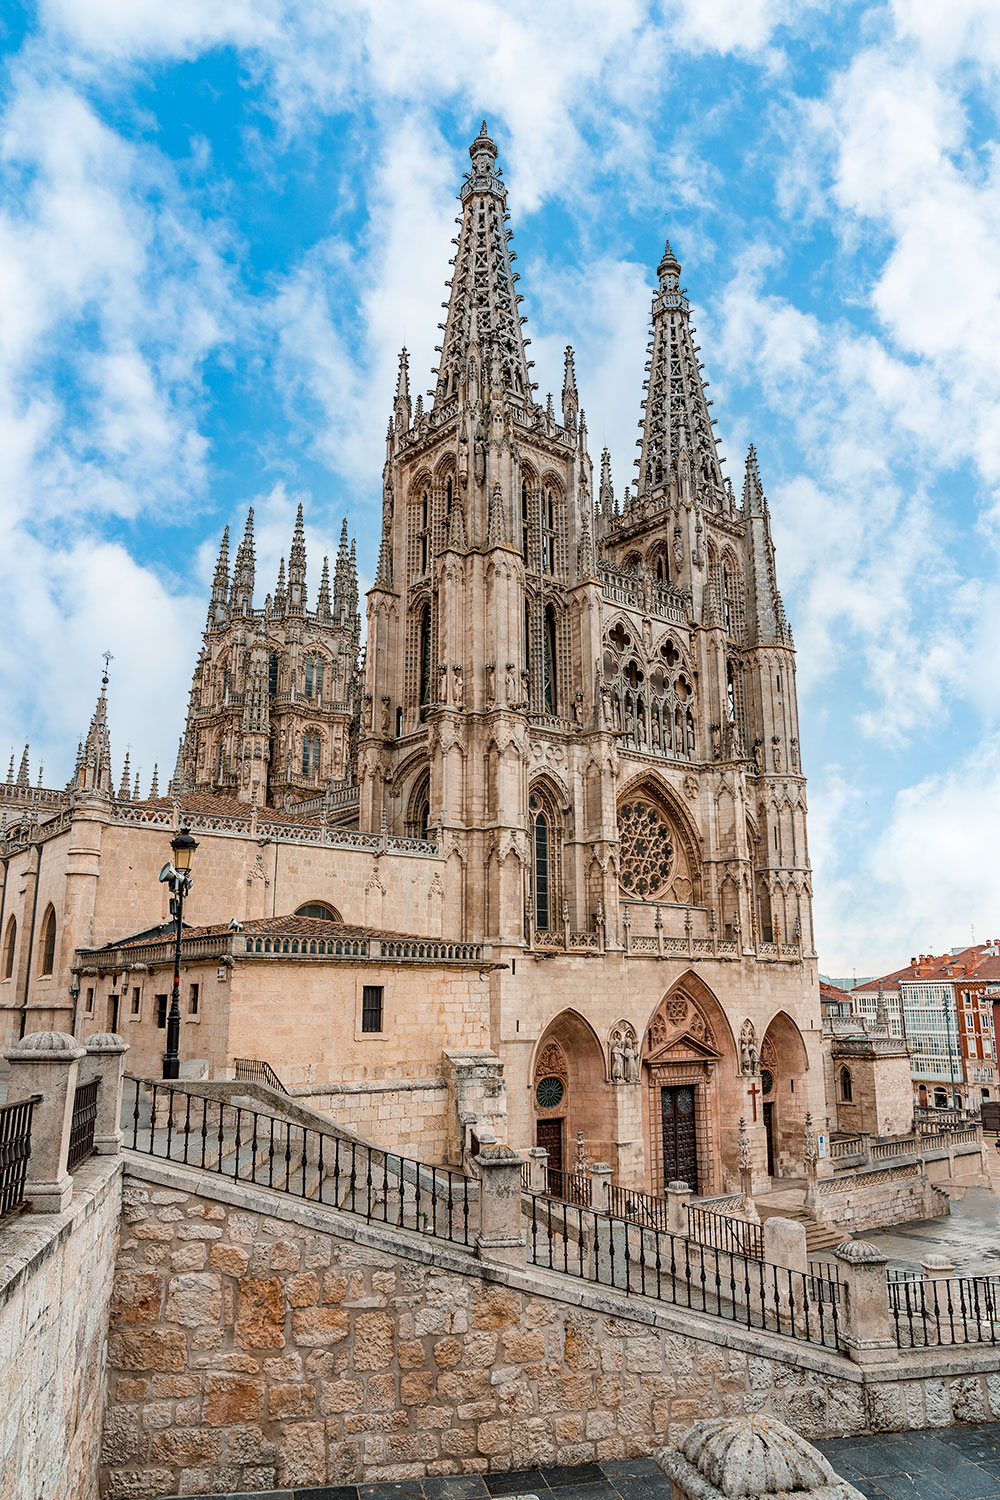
(689, 1071)
(569, 1093)
(783, 1062)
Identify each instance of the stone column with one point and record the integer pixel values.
(105, 1060)
(600, 1181)
(538, 1169)
(865, 1316)
(501, 1233)
(679, 1195)
(45, 1063)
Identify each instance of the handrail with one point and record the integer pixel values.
(15, 1148)
(253, 1070)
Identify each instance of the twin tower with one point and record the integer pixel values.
(586, 701)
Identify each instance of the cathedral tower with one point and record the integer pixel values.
(274, 697)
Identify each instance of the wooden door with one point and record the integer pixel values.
(680, 1139)
(549, 1133)
(769, 1133)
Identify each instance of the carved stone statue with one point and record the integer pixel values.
(776, 752)
(631, 1062)
(511, 684)
(617, 1063)
(578, 706)
(491, 682)
(749, 1053)
(458, 686)
(624, 1054)
(385, 717)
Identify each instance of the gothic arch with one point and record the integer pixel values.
(418, 807)
(678, 871)
(569, 1049)
(784, 1064)
(677, 1013)
(47, 948)
(9, 948)
(547, 832)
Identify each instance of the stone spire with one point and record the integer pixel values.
(297, 568)
(606, 492)
(677, 438)
(341, 576)
(154, 785)
(323, 597)
(766, 621)
(352, 581)
(220, 584)
(10, 770)
(124, 791)
(93, 768)
(179, 781)
(483, 305)
(402, 410)
(280, 592)
(24, 773)
(570, 399)
(241, 594)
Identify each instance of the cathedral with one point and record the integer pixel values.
(553, 812)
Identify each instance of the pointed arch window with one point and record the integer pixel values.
(311, 754)
(425, 532)
(727, 607)
(219, 755)
(551, 696)
(539, 864)
(525, 521)
(272, 674)
(662, 568)
(314, 677)
(424, 659)
(9, 947)
(48, 956)
(730, 693)
(548, 531)
(846, 1086)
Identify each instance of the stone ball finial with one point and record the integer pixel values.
(106, 1041)
(860, 1253)
(742, 1457)
(44, 1046)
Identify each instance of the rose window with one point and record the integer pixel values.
(647, 850)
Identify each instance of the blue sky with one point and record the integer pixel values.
(218, 223)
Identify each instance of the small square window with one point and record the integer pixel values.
(161, 1011)
(136, 993)
(371, 1007)
(193, 1000)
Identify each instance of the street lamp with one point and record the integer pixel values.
(177, 875)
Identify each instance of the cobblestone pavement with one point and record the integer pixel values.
(622, 1479)
(951, 1463)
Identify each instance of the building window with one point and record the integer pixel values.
(371, 1007)
(424, 649)
(9, 947)
(89, 1003)
(193, 1000)
(136, 995)
(549, 662)
(540, 868)
(846, 1086)
(48, 942)
(319, 909)
(548, 533)
(727, 607)
(161, 1011)
(314, 677)
(310, 755)
(525, 524)
(272, 674)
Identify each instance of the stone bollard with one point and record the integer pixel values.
(501, 1233)
(785, 1249)
(600, 1181)
(734, 1458)
(46, 1063)
(538, 1169)
(866, 1319)
(679, 1195)
(937, 1268)
(105, 1060)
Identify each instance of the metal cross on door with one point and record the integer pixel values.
(680, 1139)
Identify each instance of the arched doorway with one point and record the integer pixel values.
(570, 1093)
(689, 1072)
(783, 1063)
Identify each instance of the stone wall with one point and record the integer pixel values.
(56, 1273)
(877, 1198)
(257, 1342)
(410, 1116)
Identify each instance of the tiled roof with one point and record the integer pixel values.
(290, 926)
(211, 804)
(832, 992)
(971, 963)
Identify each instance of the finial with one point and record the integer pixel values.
(154, 785)
(107, 659)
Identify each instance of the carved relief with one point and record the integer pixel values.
(551, 1063)
(623, 1048)
(678, 1015)
(749, 1054)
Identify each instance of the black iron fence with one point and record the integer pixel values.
(15, 1148)
(82, 1124)
(655, 1263)
(736, 1236)
(252, 1070)
(640, 1208)
(956, 1310)
(248, 1145)
(571, 1187)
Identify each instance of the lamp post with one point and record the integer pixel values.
(177, 875)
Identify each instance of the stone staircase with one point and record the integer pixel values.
(819, 1237)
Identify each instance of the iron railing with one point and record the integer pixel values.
(252, 1070)
(571, 1187)
(249, 1145)
(956, 1310)
(82, 1124)
(640, 1208)
(15, 1148)
(655, 1263)
(736, 1236)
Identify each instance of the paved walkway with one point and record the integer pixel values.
(950, 1463)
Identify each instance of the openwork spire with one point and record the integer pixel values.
(401, 407)
(297, 567)
(220, 584)
(323, 597)
(241, 594)
(570, 398)
(24, 772)
(93, 766)
(483, 307)
(677, 438)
